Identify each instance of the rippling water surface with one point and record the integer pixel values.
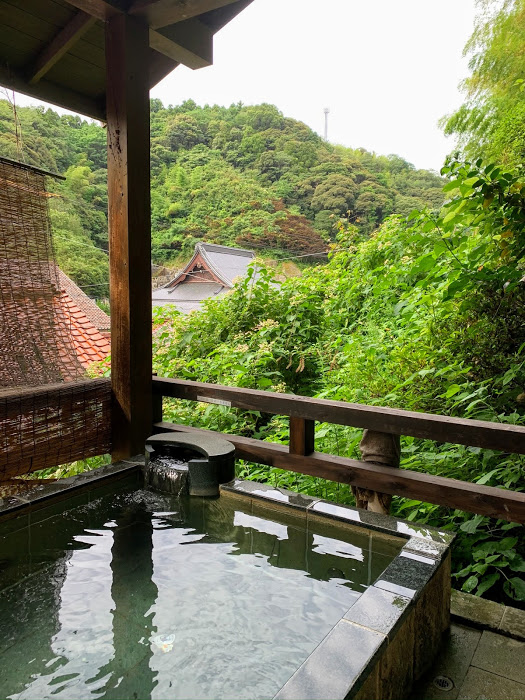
(138, 595)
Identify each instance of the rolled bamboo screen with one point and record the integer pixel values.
(69, 419)
(51, 425)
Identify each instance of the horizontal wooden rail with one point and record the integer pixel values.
(59, 389)
(461, 431)
(485, 500)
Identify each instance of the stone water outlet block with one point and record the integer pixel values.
(211, 462)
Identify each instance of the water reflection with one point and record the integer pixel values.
(142, 596)
(361, 556)
(29, 623)
(134, 594)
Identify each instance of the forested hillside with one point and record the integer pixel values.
(244, 176)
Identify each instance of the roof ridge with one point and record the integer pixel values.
(88, 306)
(213, 268)
(242, 252)
(218, 269)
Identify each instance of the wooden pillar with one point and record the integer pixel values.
(302, 436)
(157, 408)
(129, 214)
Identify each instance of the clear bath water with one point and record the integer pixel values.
(138, 595)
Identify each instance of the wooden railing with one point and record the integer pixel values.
(301, 457)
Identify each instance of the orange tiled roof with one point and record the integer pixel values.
(90, 345)
(98, 318)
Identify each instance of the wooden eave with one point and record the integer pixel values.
(54, 50)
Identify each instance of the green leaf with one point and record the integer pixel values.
(424, 372)
(515, 588)
(471, 526)
(517, 562)
(487, 477)
(480, 568)
(398, 307)
(487, 582)
(408, 503)
(452, 390)
(488, 547)
(509, 375)
(453, 185)
(322, 433)
(264, 381)
(456, 286)
(491, 558)
(470, 584)
(448, 218)
(424, 264)
(473, 181)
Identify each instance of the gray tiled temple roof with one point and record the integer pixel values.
(186, 291)
(228, 263)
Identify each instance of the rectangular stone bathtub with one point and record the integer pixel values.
(318, 600)
(390, 636)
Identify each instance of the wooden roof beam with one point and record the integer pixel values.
(189, 42)
(49, 92)
(61, 44)
(101, 9)
(161, 13)
(159, 67)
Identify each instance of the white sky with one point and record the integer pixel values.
(387, 70)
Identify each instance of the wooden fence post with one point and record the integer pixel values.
(379, 448)
(157, 408)
(302, 436)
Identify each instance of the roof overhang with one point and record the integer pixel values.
(54, 50)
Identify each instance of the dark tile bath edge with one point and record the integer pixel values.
(43, 495)
(422, 539)
(344, 661)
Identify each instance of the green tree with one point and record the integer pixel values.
(336, 194)
(491, 123)
(426, 314)
(183, 131)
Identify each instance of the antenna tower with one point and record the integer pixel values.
(326, 113)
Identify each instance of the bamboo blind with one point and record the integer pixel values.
(66, 417)
(54, 424)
